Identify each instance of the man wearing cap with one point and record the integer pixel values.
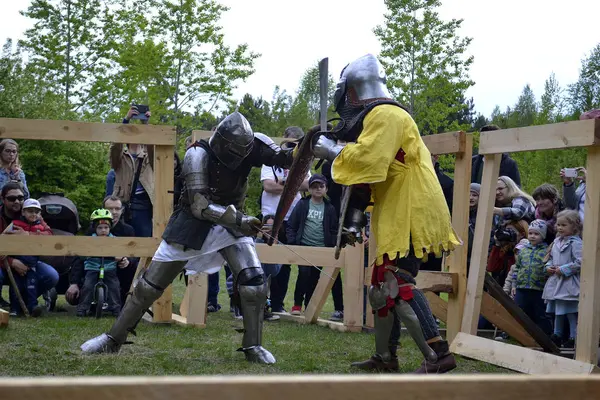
(273, 179)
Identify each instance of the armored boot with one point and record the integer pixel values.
(254, 299)
(149, 288)
(385, 358)
(445, 360)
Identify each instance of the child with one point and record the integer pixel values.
(510, 284)
(314, 222)
(563, 266)
(101, 224)
(31, 221)
(531, 275)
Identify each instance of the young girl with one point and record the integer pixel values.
(564, 265)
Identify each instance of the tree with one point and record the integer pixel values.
(525, 111)
(552, 102)
(425, 61)
(258, 113)
(68, 48)
(480, 122)
(585, 93)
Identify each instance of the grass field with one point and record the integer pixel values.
(50, 346)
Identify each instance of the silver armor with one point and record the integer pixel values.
(365, 78)
(326, 148)
(232, 141)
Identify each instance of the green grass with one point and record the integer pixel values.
(50, 346)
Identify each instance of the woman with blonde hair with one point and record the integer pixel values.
(10, 169)
(513, 204)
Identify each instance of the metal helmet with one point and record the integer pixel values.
(232, 140)
(366, 76)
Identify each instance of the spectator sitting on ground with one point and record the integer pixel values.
(547, 205)
(10, 169)
(137, 201)
(513, 204)
(314, 222)
(575, 197)
(508, 166)
(12, 201)
(101, 222)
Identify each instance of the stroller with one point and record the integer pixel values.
(61, 215)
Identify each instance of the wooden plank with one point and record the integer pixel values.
(496, 291)
(4, 318)
(162, 309)
(445, 143)
(493, 311)
(301, 387)
(18, 245)
(516, 358)
(589, 299)
(38, 129)
(457, 260)
(481, 241)
(289, 317)
(278, 254)
(319, 297)
(439, 282)
(353, 287)
(542, 137)
(198, 299)
(179, 320)
(439, 307)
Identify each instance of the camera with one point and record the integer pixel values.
(142, 110)
(505, 235)
(571, 172)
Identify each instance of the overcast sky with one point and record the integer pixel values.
(515, 42)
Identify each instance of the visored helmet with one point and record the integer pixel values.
(232, 140)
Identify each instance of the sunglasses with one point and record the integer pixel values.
(15, 198)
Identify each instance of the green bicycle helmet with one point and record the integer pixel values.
(101, 214)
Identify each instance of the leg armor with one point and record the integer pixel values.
(253, 288)
(150, 287)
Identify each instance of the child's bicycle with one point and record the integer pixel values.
(100, 292)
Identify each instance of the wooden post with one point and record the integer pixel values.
(354, 284)
(485, 215)
(457, 260)
(319, 297)
(3, 318)
(162, 209)
(589, 299)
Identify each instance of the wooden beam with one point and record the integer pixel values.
(279, 254)
(589, 299)
(483, 227)
(457, 260)
(496, 291)
(18, 245)
(319, 297)
(439, 306)
(197, 291)
(4, 318)
(353, 287)
(179, 320)
(542, 137)
(438, 282)
(446, 143)
(38, 129)
(493, 311)
(301, 387)
(516, 358)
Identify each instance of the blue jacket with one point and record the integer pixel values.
(94, 263)
(6, 177)
(295, 226)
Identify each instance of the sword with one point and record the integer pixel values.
(323, 92)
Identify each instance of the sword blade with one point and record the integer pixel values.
(323, 92)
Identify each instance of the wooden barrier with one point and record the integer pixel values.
(492, 145)
(301, 387)
(161, 136)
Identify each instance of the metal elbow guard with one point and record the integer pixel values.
(355, 220)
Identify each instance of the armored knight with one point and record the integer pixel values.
(207, 229)
(386, 160)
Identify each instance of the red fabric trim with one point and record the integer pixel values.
(405, 293)
(400, 156)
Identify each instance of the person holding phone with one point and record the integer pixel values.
(574, 196)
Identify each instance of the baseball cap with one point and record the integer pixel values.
(317, 178)
(32, 203)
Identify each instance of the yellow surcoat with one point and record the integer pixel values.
(409, 204)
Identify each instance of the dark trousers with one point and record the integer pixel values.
(113, 295)
(125, 276)
(213, 289)
(27, 286)
(531, 302)
(308, 277)
(279, 283)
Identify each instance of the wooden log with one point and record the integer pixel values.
(496, 291)
(588, 325)
(481, 241)
(18, 245)
(456, 262)
(39, 129)
(4, 318)
(516, 358)
(562, 135)
(493, 311)
(301, 387)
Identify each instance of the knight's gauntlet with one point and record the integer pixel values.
(226, 216)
